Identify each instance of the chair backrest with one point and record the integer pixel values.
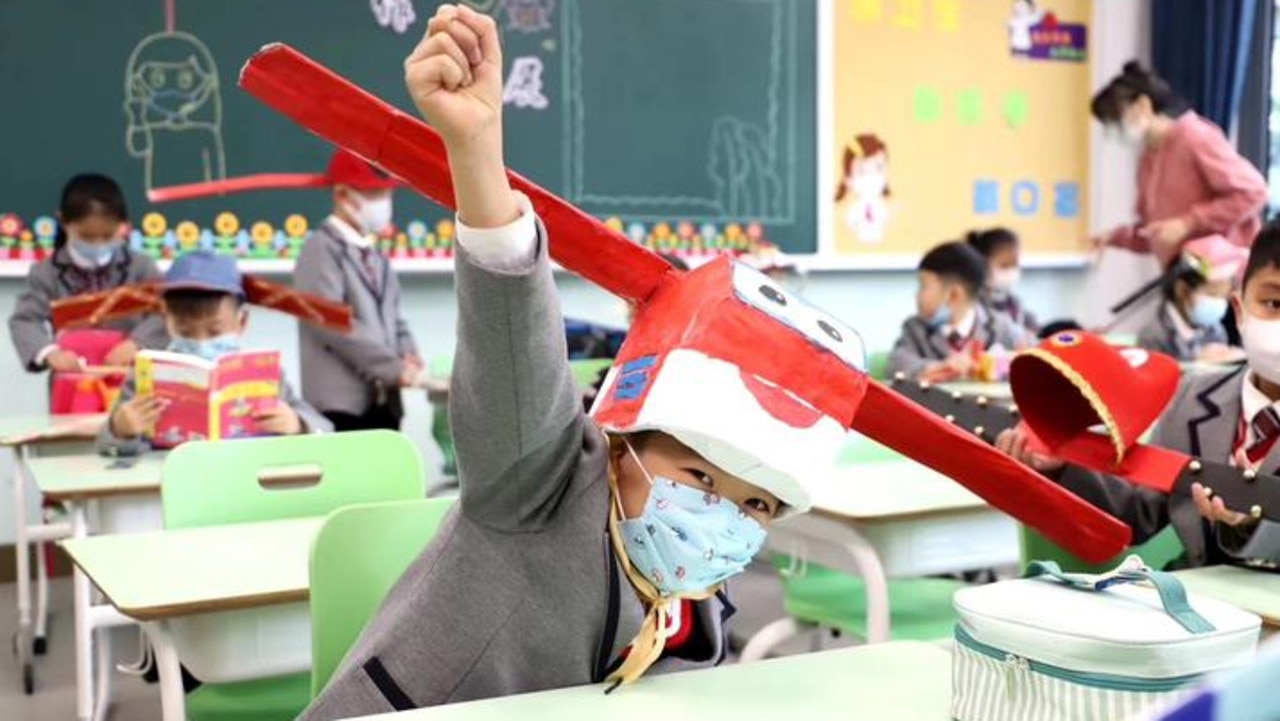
(587, 371)
(264, 479)
(358, 555)
(1157, 552)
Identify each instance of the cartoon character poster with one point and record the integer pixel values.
(864, 188)
(1036, 33)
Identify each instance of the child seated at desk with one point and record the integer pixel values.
(89, 256)
(204, 309)
(951, 328)
(1231, 415)
(1188, 323)
(1002, 249)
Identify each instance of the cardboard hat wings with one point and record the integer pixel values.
(93, 309)
(781, 380)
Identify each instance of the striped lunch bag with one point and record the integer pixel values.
(1060, 647)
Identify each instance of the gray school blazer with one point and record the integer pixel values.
(919, 345)
(520, 589)
(1201, 421)
(351, 373)
(57, 277)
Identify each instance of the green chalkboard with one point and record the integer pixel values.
(662, 110)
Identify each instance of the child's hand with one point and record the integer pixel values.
(137, 415)
(455, 75)
(1214, 509)
(455, 78)
(962, 363)
(937, 372)
(122, 354)
(413, 362)
(1013, 443)
(279, 420)
(64, 361)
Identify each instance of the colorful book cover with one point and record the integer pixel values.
(214, 400)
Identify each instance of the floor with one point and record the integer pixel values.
(757, 595)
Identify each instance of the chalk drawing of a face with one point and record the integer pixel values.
(865, 182)
(174, 108)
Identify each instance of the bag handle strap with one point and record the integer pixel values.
(1172, 594)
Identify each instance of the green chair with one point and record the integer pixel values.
(263, 479)
(587, 371)
(878, 365)
(1158, 552)
(359, 554)
(920, 609)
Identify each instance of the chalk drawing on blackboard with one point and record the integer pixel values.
(743, 170)
(751, 161)
(523, 88)
(395, 14)
(864, 187)
(173, 103)
(528, 16)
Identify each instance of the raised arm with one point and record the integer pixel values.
(517, 421)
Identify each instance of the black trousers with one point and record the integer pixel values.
(374, 418)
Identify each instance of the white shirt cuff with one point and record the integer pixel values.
(44, 353)
(510, 247)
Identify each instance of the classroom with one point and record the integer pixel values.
(415, 360)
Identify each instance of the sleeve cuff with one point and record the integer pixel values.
(508, 248)
(44, 353)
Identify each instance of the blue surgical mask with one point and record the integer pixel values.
(686, 539)
(92, 255)
(1207, 311)
(210, 349)
(940, 317)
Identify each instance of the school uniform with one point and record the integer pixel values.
(354, 379)
(1213, 416)
(1011, 305)
(58, 277)
(1169, 333)
(109, 444)
(520, 590)
(920, 345)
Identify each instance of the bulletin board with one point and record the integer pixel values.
(950, 115)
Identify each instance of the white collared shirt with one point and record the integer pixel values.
(1252, 402)
(963, 327)
(348, 233)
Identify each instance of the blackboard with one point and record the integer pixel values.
(655, 111)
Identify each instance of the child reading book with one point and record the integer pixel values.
(204, 308)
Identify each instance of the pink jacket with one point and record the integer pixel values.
(1197, 175)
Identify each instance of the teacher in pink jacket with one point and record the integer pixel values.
(1191, 181)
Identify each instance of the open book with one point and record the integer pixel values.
(211, 400)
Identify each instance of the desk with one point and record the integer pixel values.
(23, 435)
(122, 495)
(890, 518)
(1254, 591)
(162, 576)
(907, 681)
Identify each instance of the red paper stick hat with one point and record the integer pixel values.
(1074, 382)
(719, 357)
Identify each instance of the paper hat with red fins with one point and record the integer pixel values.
(763, 383)
(93, 309)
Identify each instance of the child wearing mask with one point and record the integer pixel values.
(355, 379)
(939, 343)
(1002, 248)
(1188, 323)
(89, 256)
(204, 309)
(1231, 415)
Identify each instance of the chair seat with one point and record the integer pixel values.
(280, 698)
(920, 609)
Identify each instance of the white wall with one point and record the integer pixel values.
(874, 302)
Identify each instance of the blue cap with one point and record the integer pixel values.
(202, 270)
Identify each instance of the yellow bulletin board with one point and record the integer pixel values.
(950, 115)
